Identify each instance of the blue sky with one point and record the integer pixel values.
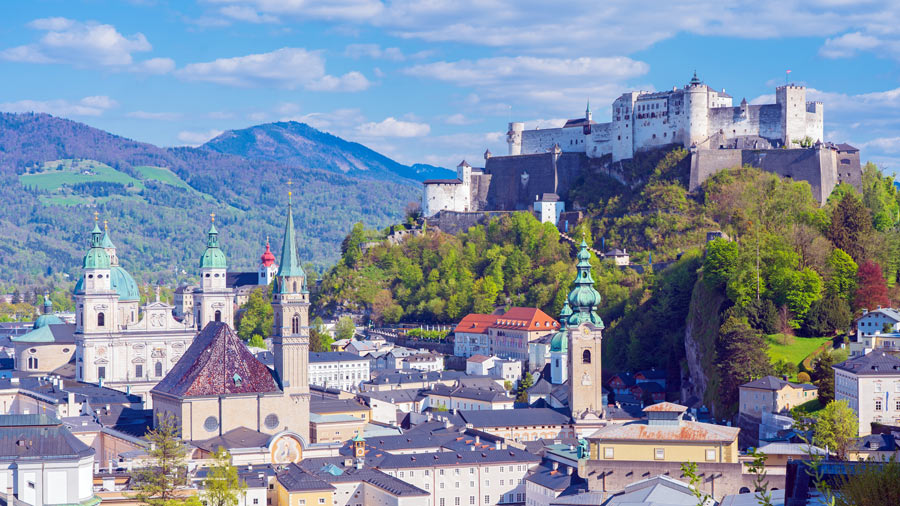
(436, 81)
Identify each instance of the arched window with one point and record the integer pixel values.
(32, 363)
(295, 324)
(158, 369)
(218, 315)
(101, 320)
(586, 357)
(295, 287)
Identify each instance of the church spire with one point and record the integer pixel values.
(213, 257)
(290, 262)
(587, 111)
(584, 298)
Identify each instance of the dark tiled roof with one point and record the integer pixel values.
(462, 392)
(652, 374)
(555, 479)
(542, 387)
(217, 363)
(38, 437)
(376, 478)
(875, 363)
(235, 279)
(432, 459)
(876, 442)
(322, 405)
(442, 181)
(649, 386)
(241, 437)
(394, 396)
(334, 356)
(514, 417)
(773, 383)
(846, 147)
(295, 479)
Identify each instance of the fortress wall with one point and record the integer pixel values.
(815, 166)
(652, 132)
(849, 169)
(770, 121)
(454, 222)
(437, 197)
(815, 125)
(510, 190)
(541, 141)
(481, 183)
(599, 143)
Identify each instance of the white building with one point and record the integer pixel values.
(548, 208)
(338, 369)
(479, 365)
(871, 385)
(507, 370)
(423, 362)
(471, 335)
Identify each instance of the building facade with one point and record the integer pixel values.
(773, 395)
(338, 369)
(871, 386)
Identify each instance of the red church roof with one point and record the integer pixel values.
(217, 363)
(267, 258)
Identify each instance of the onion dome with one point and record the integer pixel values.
(267, 258)
(560, 341)
(213, 257)
(96, 257)
(584, 298)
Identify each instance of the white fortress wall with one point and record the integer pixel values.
(652, 121)
(815, 121)
(571, 140)
(444, 196)
(599, 143)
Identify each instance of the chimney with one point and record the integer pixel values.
(569, 470)
(477, 439)
(555, 465)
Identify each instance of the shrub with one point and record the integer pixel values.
(803, 377)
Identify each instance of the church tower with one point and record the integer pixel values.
(291, 333)
(585, 334)
(214, 300)
(559, 349)
(267, 267)
(96, 300)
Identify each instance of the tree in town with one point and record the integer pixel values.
(257, 319)
(823, 376)
(525, 383)
(836, 428)
(319, 340)
(851, 224)
(740, 355)
(871, 289)
(166, 470)
(871, 484)
(344, 328)
(222, 485)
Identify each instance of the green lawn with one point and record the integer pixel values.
(62, 172)
(161, 174)
(797, 349)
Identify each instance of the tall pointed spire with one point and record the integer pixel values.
(584, 298)
(587, 110)
(290, 262)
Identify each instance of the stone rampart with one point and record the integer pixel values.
(454, 222)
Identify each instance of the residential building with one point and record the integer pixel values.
(423, 362)
(660, 490)
(665, 436)
(887, 341)
(539, 352)
(870, 384)
(41, 462)
(338, 369)
(528, 424)
(550, 480)
(875, 447)
(466, 398)
(479, 365)
(385, 404)
(618, 256)
(507, 370)
(882, 320)
(773, 395)
(507, 335)
(321, 482)
(470, 336)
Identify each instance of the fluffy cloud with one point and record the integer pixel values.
(243, 13)
(373, 51)
(349, 10)
(87, 106)
(391, 127)
(197, 138)
(86, 44)
(287, 68)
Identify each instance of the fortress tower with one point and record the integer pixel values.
(514, 138)
(792, 101)
(696, 107)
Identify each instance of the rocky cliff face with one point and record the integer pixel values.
(701, 379)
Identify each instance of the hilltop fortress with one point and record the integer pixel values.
(785, 138)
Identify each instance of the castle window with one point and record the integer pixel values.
(295, 324)
(32, 362)
(295, 287)
(101, 372)
(138, 371)
(158, 369)
(586, 357)
(218, 315)
(101, 320)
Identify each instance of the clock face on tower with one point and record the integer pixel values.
(586, 331)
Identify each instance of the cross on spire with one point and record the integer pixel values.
(212, 217)
(105, 224)
(96, 216)
(290, 193)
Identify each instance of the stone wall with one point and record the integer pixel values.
(517, 180)
(454, 222)
(718, 479)
(542, 140)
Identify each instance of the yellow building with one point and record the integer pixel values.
(665, 436)
(773, 395)
(296, 487)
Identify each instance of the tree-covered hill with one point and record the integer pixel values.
(699, 315)
(159, 200)
(299, 144)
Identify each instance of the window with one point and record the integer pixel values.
(321, 500)
(586, 357)
(32, 362)
(101, 372)
(487, 499)
(442, 501)
(138, 370)
(878, 405)
(101, 320)
(295, 324)
(255, 500)
(710, 455)
(218, 315)
(608, 452)
(158, 368)
(897, 406)
(456, 501)
(659, 453)
(471, 499)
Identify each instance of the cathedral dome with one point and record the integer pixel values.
(96, 258)
(47, 319)
(560, 341)
(123, 284)
(213, 257)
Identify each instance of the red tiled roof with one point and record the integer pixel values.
(666, 406)
(217, 363)
(518, 318)
(475, 323)
(478, 359)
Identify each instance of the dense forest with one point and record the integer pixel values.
(785, 266)
(160, 226)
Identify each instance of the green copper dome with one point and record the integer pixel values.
(120, 281)
(106, 242)
(213, 257)
(560, 341)
(584, 298)
(47, 319)
(96, 257)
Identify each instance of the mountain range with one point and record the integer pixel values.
(55, 173)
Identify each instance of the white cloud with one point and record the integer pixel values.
(391, 127)
(220, 115)
(335, 10)
(488, 71)
(373, 51)
(86, 44)
(848, 45)
(87, 106)
(161, 116)
(244, 13)
(459, 119)
(883, 144)
(197, 138)
(287, 68)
